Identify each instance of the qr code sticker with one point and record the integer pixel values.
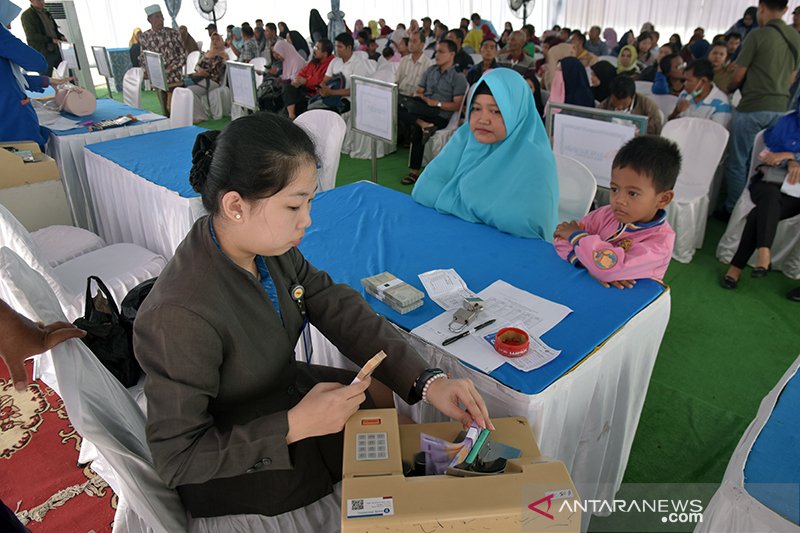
(357, 505)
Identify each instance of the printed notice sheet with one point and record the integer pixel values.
(446, 288)
(509, 307)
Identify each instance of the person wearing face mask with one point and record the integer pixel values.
(625, 99)
(700, 97)
(498, 168)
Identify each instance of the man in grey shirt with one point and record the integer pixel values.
(439, 94)
(514, 55)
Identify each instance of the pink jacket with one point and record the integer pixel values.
(612, 251)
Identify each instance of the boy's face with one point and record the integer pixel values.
(634, 197)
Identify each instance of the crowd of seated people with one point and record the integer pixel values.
(434, 64)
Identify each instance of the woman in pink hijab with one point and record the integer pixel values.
(292, 61)
(610, 35)
(359, 25)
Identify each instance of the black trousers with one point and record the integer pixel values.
(772, 206)
(408, 120)
(295, 95)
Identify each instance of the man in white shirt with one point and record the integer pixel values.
(700, 97)
(412, 66)
(346, 63)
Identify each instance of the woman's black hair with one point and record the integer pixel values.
(482, 88)
(256, 156)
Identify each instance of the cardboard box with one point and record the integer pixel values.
(14, 171)
(376, 496)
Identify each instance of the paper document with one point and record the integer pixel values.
(790, 190)
(149, 117)
(510, 307)
(446, 288)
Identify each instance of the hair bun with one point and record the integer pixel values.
(202, 155)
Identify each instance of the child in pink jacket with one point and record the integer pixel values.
(630, 238)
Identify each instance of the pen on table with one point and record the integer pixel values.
(451, 340)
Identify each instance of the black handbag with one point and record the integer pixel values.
(108, 335)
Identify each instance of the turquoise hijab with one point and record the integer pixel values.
(511, 185)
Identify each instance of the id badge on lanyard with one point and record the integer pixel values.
(298, 292)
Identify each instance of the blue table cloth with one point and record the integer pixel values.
(163, 157)
(363, 229)
(106, 109)
(48, 92)
(772, 470)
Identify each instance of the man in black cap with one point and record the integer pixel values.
(212, 29)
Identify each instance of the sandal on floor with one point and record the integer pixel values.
(411, 179)
(760, 272)
(728, 282)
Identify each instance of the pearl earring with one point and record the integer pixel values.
(238, 216)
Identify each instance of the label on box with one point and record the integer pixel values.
(383, 287)
(560, 494)
(363, 507)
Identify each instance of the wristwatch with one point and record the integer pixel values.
(425, 377)
(439, 103)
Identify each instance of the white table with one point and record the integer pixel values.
(585, 413)
(139, 188)
(67, 149)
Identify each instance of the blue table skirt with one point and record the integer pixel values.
(772, 470)
(362, 229)
(120, 63)
(106, 109)
(163, 157)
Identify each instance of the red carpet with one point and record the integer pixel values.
(39, 476)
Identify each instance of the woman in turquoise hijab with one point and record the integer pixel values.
(498, 168)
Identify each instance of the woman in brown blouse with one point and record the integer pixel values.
(207, 76)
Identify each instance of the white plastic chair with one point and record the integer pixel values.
(191, 61)
(644, 87)
(440, 137)
(182, 108)
(260, 64)
(120, 266)
(132, 87)
(219, 101)
(786, 246)
(702, 143)
(610, 59)
(577, 187)
(102, 411)
(200, 46)
(327, 130)
(58, 244)
(665, 102)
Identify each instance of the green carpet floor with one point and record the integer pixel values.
(722, 352)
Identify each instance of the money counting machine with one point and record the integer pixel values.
(380, 492)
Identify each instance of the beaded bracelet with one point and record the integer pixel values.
(428, 384)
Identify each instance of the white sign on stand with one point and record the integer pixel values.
(242, 81)
(374, 110)
(69, 55)
(154, 64)
(594, 143)
(101, 60)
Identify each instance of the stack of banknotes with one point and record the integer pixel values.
(394, 292)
